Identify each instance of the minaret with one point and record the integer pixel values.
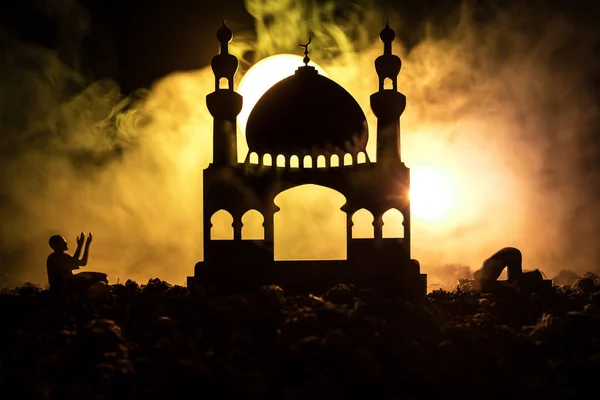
(388, 104)
(224, 104)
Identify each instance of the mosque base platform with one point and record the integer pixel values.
(302, 277)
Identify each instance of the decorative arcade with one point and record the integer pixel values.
(303, 119)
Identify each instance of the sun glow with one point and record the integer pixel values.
(431, 193)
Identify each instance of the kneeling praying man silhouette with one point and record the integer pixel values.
(512, 259)
(60, 266)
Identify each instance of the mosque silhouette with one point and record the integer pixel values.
(307, 129)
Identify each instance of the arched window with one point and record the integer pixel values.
(348, 159)
(294, 162)
(223, 83)
(307, 162)
(392, 224)
(388, 84)
(252, 226)
(361, 158)
(321, 161)
(267, 160)
(253, 158)
(362, 225)
(221, 226)
(281, 160)
(335, 160)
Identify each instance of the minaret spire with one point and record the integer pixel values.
(388, 65)
(224, 103)
(388, 104)
(224, 65)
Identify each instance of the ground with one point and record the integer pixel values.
(158, 340)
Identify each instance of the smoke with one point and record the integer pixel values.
(80, 157)
(511, 107)
(503, 106)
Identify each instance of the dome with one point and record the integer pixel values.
(306, 112)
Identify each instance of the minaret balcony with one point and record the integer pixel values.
(224, 104)
(388, 103)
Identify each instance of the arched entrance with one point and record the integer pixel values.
(310, 224)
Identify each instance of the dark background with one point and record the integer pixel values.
(137, 42)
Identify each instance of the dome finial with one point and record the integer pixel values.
(306, 60)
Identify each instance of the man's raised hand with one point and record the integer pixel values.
(80, 239)
(89, 239)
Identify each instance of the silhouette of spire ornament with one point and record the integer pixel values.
(388, 65)
(224, 65)
(388, 104)
(224, 104)
(306, 59)
(224, 34)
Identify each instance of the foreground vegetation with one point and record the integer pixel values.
(158, 340)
